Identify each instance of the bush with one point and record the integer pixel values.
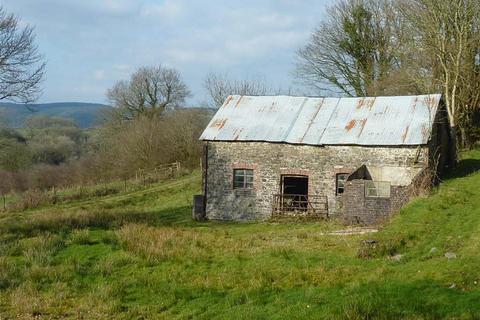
(32, 199)
(146, 143)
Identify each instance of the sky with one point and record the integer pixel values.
(91, 44)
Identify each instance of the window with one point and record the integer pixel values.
(243, 179)
(377, 189)
(341, 179)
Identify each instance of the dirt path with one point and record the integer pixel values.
(351, 231)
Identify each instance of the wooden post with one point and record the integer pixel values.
(54, 195)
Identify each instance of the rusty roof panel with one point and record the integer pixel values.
(404, 120)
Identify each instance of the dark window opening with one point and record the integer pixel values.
(295, 192)
(340, 183)
(243, 179)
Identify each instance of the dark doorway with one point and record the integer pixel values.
(297, 185)
(295, 192)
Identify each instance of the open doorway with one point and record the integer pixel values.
(294, 192)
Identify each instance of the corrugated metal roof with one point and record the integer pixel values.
(403, 120)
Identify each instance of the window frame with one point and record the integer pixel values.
(382, 189)
(337, 182)
(246, 173)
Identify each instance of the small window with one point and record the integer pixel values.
(243, 179)
(377, 189)
(341, 178)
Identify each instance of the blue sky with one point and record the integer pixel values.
(90, 44)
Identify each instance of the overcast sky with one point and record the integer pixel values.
(90, 44)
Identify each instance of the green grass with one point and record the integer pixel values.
(34, 199)
(138, 255)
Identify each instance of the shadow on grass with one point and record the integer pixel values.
(66, 221)
(464, 168)
(378, 300)
(422, 299)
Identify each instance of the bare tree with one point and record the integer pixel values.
(220, 86)
(149, 91)
(354, 49)
(148, 142)
(21, 66)
(449, 31)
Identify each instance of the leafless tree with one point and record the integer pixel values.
(449, 31)
(354, 49)
(147, 142)
(149, 92)
(22, 68)
(220, 86)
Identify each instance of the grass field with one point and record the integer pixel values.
(138, 255)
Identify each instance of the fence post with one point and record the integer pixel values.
(54, 195)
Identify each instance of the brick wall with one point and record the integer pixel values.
(270, 160)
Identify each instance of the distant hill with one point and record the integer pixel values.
(84, 114)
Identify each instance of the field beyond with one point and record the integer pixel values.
(138, 255)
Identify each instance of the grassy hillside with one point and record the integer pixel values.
(84, 115)
(138, 255)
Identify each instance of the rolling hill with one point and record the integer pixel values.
(84, 114)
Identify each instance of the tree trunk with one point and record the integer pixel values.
(452, 154)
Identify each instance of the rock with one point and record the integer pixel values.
(397, 257)
(450, 255)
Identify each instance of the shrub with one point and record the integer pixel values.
(32, 199)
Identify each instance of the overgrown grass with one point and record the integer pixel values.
(138, 255)
(35, 198)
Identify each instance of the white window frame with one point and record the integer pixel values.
(247, 181)
(337, 182)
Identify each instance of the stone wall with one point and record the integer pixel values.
(362, 210)
(271, 160)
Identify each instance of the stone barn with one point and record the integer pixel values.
(356, 158)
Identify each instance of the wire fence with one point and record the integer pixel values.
(34, 198)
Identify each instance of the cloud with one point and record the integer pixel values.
(106, 40)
